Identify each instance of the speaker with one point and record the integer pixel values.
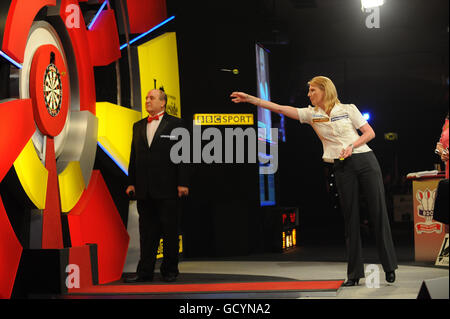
(434, 289)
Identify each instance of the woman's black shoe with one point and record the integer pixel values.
(351, 282)
(390, 276)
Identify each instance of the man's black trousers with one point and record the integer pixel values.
(158, 218)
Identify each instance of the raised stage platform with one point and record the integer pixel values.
(266, 279)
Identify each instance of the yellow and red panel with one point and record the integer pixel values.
(158, 60)
(115, 130)
(33, 176)
(71, 186)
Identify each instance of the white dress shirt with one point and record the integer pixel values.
(336, 131)
(152, 127)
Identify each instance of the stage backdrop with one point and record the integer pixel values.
(158, 67)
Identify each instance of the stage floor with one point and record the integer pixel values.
(318, 257)
(299, 264)
(407, 285)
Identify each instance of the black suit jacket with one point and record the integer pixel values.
(151, 170)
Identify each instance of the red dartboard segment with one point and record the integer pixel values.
(49, 90)
(95, 219)
(85, 68)
(52, 237)
(21, 15)
(103, 40)
(16, 128)
(10, 252)
(145, 14)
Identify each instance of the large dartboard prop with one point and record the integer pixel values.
(48, 137)
(49, 90)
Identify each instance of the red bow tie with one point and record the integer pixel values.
(156, 117)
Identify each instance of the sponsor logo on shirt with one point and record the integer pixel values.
(319, 118)
(339, 117)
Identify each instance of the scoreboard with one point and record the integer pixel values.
(281, 228)
(289, 217)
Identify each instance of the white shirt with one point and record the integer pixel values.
(336, 131)
(152, 127)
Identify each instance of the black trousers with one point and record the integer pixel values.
(361, 172)
(158, 218)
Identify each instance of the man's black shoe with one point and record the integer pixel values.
(137, 279)
(169, 278)
(390, 276)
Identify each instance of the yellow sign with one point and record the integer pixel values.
(115, 130)
(158, 65)
(160, 254)
(71, 186)
(32, 174)
(223, 119)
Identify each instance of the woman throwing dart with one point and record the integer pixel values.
(355, 165)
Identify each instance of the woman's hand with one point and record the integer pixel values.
(289, 111)
(442, 151)
(346, 152)
(444, 156)
(368, 135)
(240, 97)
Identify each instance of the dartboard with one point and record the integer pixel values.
(52, 90)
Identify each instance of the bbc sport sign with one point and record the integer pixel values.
(223, 119)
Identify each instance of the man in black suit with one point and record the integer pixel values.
(156, 183)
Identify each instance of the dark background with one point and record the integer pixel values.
(398, 73)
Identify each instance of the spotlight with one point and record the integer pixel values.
(366, 116)
(368, 4)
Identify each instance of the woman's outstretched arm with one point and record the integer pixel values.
(289, 111)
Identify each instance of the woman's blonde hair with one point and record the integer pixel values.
(326, 85)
